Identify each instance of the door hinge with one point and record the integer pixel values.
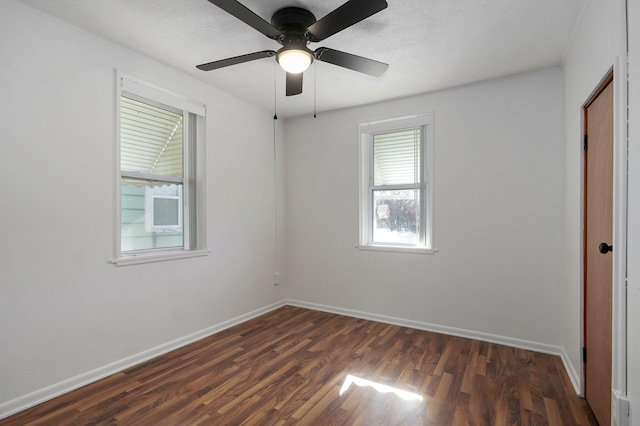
(586, 143)
(584, 355)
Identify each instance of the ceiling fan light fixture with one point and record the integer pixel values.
(294, 28)
(294, 61)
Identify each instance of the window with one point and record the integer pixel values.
(396, 206)
(160, 213)
(163, 208)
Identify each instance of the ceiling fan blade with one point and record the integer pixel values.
(236, 60)
(294, 84)
(352, 62)
(248, 17)
(343, 17)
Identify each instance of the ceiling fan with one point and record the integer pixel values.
(294, 28)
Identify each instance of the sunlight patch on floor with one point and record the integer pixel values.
(358, 381)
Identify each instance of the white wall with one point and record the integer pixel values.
(596, 44)
(64, 310)
(507, 216)
(633, 306)
(498, 213)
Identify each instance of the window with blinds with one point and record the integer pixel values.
(151, 166)
(160, 216)
(395, 203)
(151, 139)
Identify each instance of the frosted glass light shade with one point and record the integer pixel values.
(294, 61)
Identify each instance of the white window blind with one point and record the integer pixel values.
(151, 140)
(396, 157)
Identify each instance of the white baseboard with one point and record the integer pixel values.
(49, 392)
(573, 374)
(26, 401)
(452, 331)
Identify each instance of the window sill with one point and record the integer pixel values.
(135, 259)
(416, 250)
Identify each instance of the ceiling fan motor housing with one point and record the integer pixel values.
(293, 23)
(292, 18)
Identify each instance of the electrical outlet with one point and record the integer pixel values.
(276, 278)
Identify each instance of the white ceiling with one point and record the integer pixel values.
(429, 44)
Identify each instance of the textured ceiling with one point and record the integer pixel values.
(429, 44)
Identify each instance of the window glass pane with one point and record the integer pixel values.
(396, 157)
(151, 139)
(149, 223)
(396, 216)
(166, 211)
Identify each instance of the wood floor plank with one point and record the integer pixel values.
(288, 367)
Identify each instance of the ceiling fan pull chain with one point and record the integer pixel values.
(315, 93)
(275, 91)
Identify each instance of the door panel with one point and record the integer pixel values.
(598, 266)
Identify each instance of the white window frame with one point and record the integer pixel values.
(193, 192)
(367, 188)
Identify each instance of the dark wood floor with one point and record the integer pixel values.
(289, 367)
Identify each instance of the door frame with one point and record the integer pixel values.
(599, 156)
(617, 73)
